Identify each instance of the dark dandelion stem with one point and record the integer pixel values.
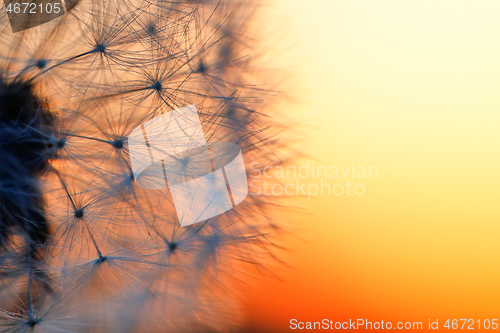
(99, 253)
(87, 138)
(65, 189)
(97, 49)
(23, 71)
(30, 296)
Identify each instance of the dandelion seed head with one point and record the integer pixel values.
(118, 143)
(172, 247)
(79, 213)
(100, 48)
(33, 322)
(61, 143)
(77, 231)
(201, 68)
(41, 63)
(151, 29)
(157, 86)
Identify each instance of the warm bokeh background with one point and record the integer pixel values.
(413, 88)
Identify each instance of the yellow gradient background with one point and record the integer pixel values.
(412, 87)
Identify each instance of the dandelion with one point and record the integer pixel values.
(83, 247)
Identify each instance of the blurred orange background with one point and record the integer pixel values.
(412, 88)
